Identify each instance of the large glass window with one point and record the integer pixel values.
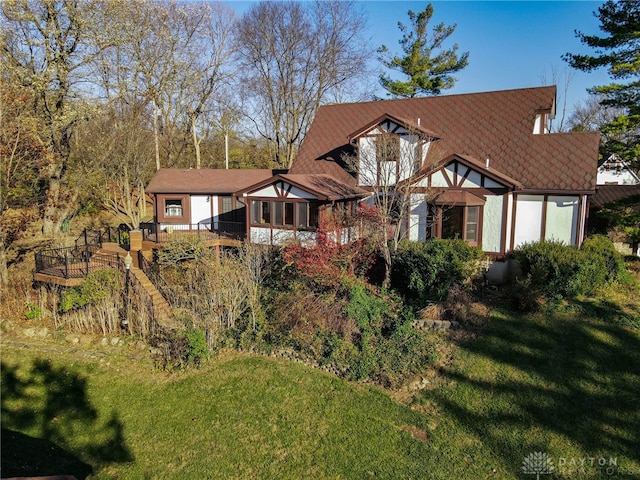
(303, 215)
(230, 211)
(452, 222)
(173, 208)
(306, 215)
(461, 222)
(285, 214)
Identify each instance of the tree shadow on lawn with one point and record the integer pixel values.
(557, 376)
(49, 426)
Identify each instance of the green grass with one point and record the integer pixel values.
(238, 417)
(566, 383)
(559, 383)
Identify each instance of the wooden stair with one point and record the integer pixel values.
(161, 308)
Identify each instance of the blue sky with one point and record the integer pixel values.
(512, 44)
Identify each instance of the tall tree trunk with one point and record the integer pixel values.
(4, 272)
(196, 142)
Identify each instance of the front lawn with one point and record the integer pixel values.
(565, 384)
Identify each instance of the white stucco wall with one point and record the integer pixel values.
(614, 177)
(418, 218)
(492, 223)
(509, 227)
(474, 179)
(408, 156)
(528, 225)
(275, 191)
(200, 209)
(306, 239)
(562, 219)
(368, 173)
(438, 180)
(282, 236)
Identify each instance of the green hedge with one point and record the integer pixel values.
(559, 270)
(424, 271)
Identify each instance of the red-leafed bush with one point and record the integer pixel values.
(327, 263)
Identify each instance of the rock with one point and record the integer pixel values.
(29, 332)
(72, 338)
(104, 341)
(43, 332)
(85, 340)
(115, 341)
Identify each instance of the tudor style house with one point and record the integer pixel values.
(482, 167)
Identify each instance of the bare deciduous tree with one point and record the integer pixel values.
(50, 46)
(390, 166)
(174, 59)
(564, 79)
(293, 55)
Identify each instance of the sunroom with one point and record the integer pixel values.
(295, 208)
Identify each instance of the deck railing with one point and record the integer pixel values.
(98, 237)
(152, 271)
(75, 262)
(160, 233)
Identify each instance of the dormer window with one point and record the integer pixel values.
(390, 150)
(387, 158)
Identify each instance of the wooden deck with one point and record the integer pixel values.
(73, 272)
(56, 278)
(209, 239)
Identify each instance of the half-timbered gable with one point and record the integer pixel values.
(389, 150)
(293, 208)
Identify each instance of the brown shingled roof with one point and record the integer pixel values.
(607, 194)
(206, 180)
(498, 125)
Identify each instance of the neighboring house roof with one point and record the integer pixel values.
(324, 187)
(612, 193)
(206, 180)
(616, 170)
(496, 125)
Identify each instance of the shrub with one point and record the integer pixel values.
(601, 246)
(96, 286)
(559, 270)
(33, 312)
(423, 271)
(405, 353)
(196, 346)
